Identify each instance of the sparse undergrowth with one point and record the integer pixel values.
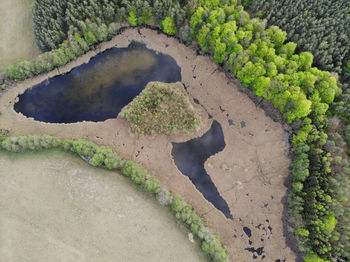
(161, 109)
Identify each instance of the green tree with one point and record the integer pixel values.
(168, 26)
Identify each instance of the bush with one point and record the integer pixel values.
(84, 148)
(168, 26)
(30, 143)
(152, 185)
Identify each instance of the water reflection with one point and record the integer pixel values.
(100, 89)
(190, 157)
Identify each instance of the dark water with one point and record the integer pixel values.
(100, 89)
(247, 231)
(190, 157)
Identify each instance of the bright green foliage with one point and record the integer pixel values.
(287, 49)
(197, 18)
(202, 38)
(276, 36)
(220, 52)
(319, 26)
(318, 107)
(161, 108)
(261, 86)
(132, 19)
(302, 232)
(328, 224)
(260, 59)
(304, 60)
(168, 26)
(250, 72)
(312, 257)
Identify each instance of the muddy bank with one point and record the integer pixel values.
(248, 173)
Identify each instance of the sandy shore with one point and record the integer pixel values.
(255, 153)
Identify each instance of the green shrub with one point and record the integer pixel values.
(129, 168)
(30, 143)
(139, 176)
(152, 185)
(84, 148)
(178, 204)
(168, 26)
(132, 19)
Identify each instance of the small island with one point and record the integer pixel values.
(161, 109)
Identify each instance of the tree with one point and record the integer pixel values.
(220, 52)
(261, 86)
(168, 26)
(132, 19)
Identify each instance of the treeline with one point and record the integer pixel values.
(319, 26)
(49, 23)
(262, 61)
(104, 156)
(76, 45)
(71, 28)
(53, 19)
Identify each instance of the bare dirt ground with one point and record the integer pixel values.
(249, 173)
(16, 32)
(54, 207)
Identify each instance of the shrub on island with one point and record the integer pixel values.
(161, 109)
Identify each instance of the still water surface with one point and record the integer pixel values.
(190, 157)
(98, 90)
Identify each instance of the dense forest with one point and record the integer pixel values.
(319, 26)
(277, 71)
(53, 19)
(323, 28)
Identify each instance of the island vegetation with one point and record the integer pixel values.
(161, 109)
(277, 71)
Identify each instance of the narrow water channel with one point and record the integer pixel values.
(98, 90)
(190, 157)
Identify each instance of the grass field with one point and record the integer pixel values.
(55, 207)
(16, 32)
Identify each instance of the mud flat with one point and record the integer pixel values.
(54, 207)
(249, 173)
